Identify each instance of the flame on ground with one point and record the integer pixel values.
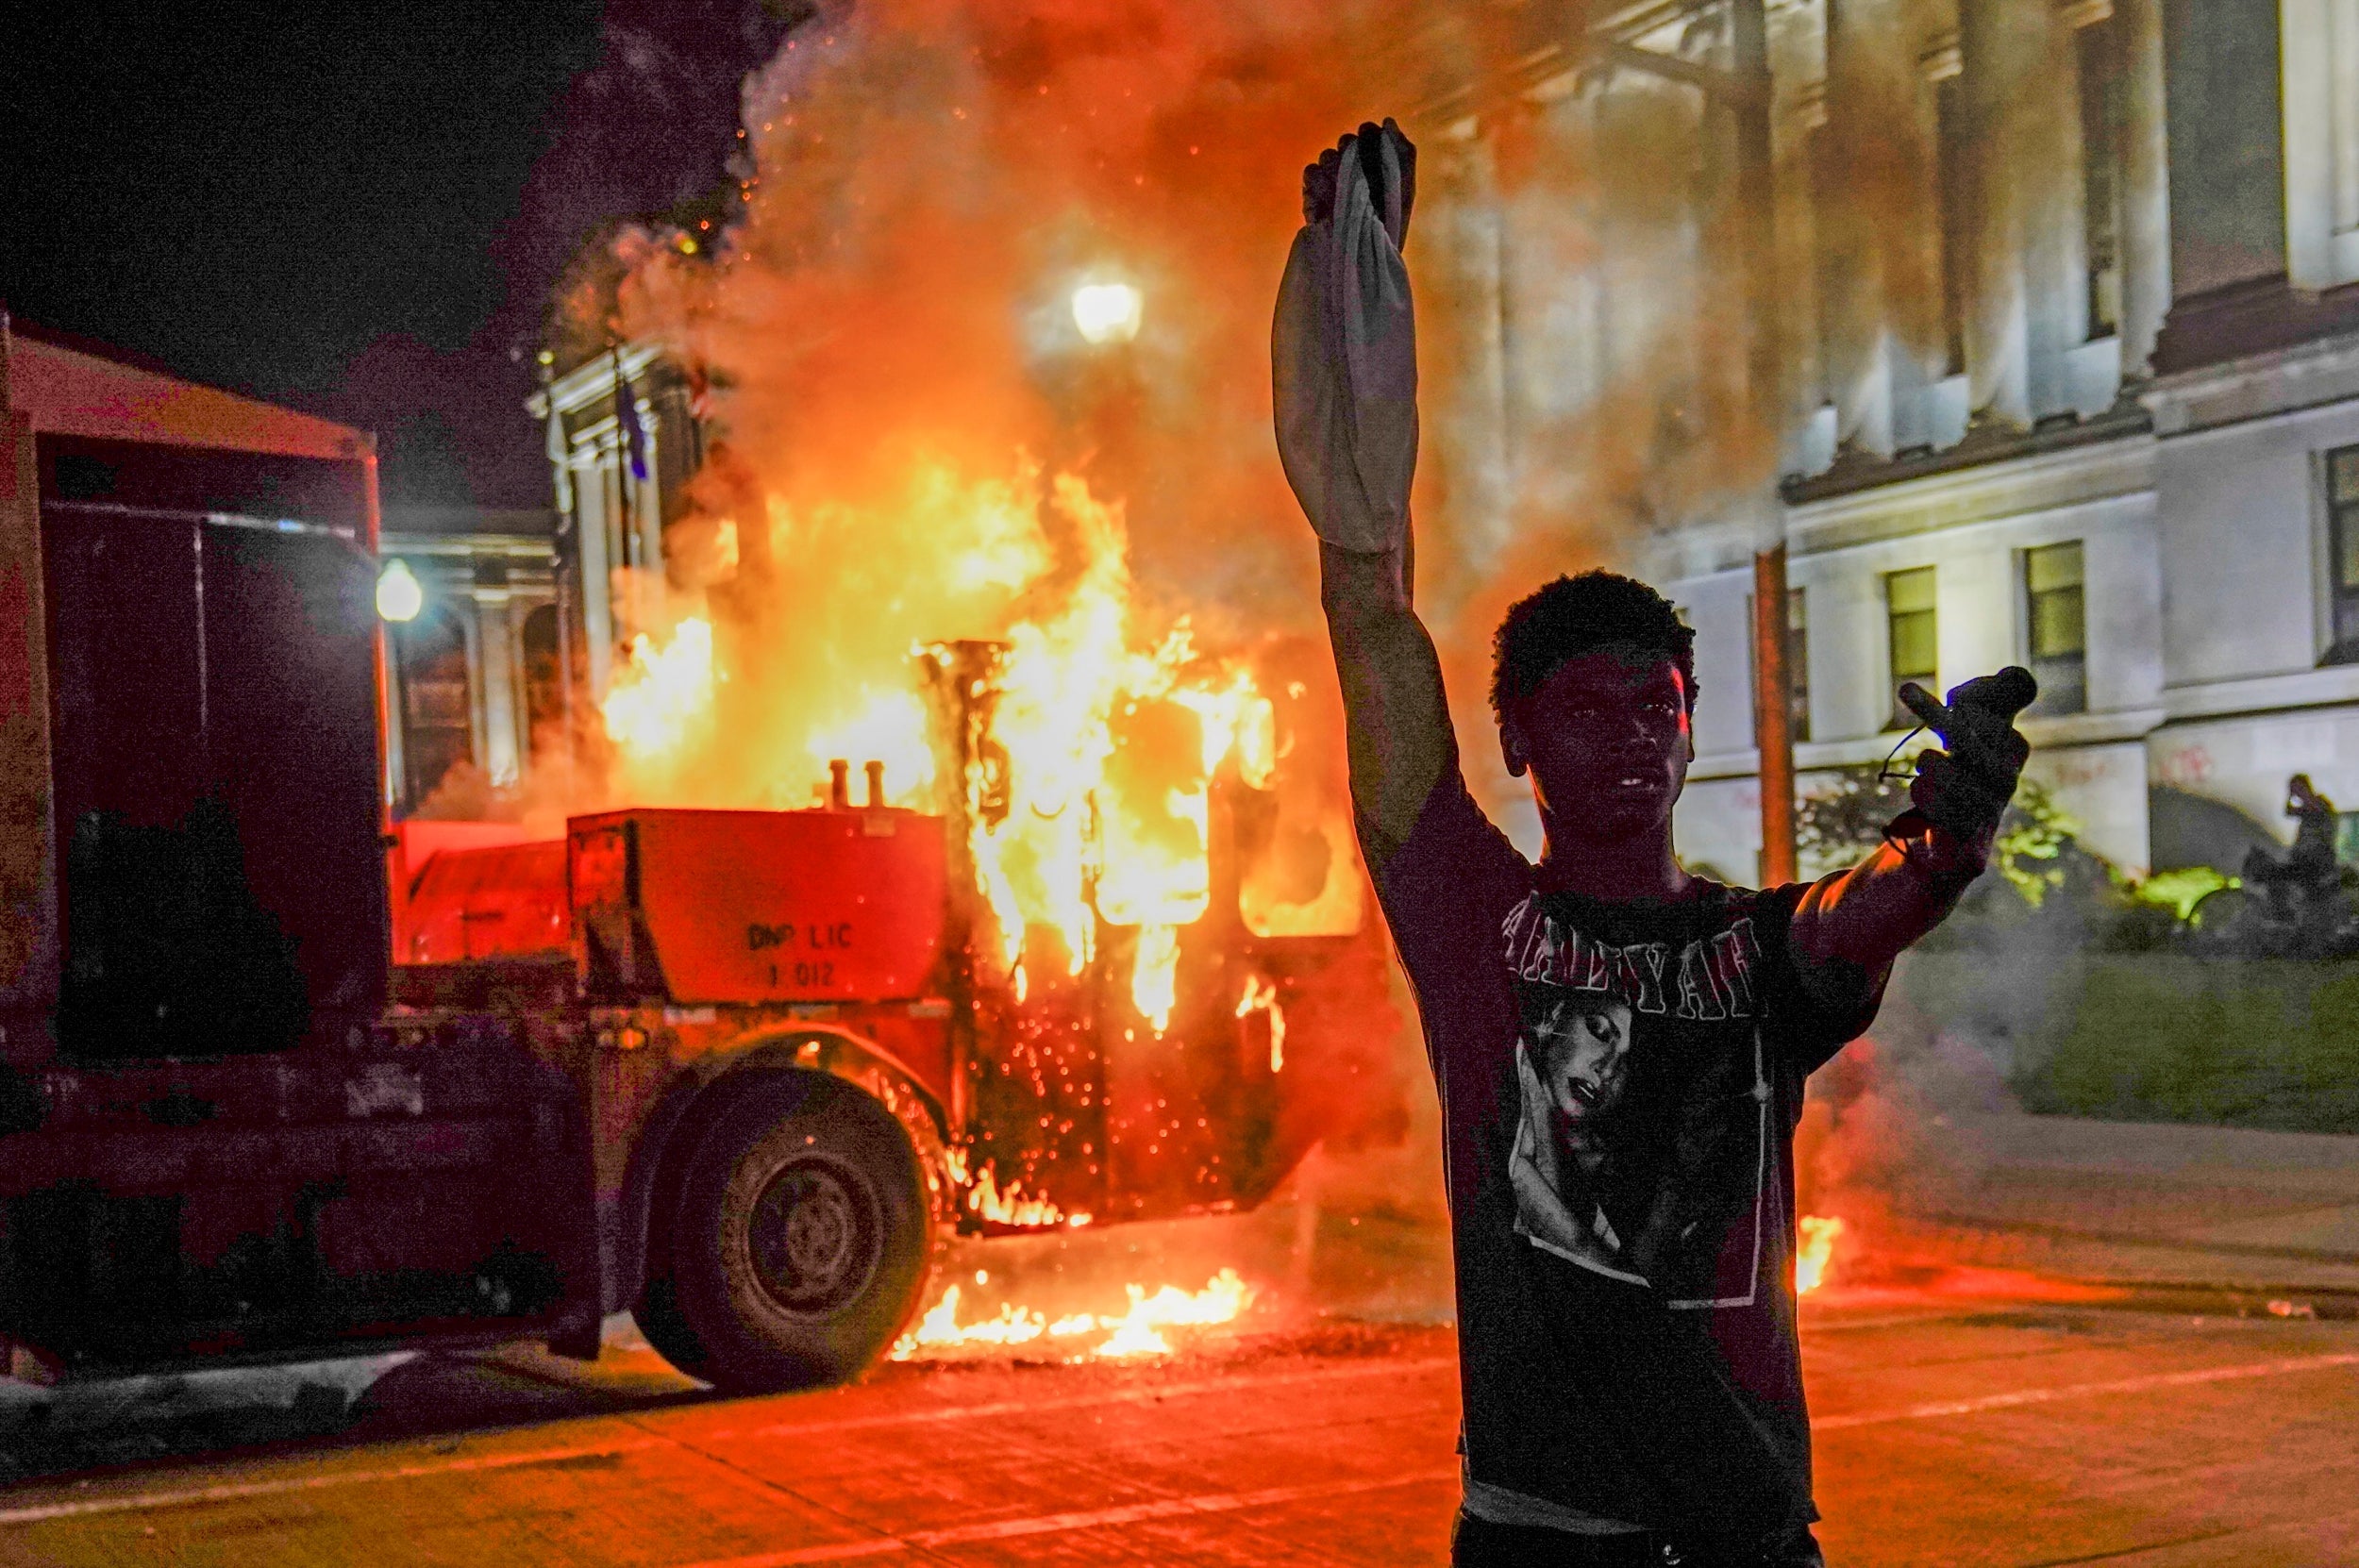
(1814, 1256)
(1137, 1330)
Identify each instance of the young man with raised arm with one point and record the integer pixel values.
(1620, 1047)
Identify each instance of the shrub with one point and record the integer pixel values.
(2037, 849)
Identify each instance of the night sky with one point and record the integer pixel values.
(357, 209)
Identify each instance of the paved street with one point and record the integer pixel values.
(1957, 1425)
(2112, 1200)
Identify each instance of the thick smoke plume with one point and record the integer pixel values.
(896, 376)
(895, 380)
(908, 439)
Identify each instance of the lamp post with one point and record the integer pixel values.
(1092, 376)
(1744, 90)
(1756, 196)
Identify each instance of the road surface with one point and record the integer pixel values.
(1954, 1429)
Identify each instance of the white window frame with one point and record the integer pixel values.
(2322, 542)
(1898, 719)
(2020, 567)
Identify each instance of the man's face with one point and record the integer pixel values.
(1607, 742)
(1584, 1056)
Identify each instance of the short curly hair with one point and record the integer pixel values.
(1578, 615)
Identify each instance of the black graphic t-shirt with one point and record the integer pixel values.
(1620, 1084)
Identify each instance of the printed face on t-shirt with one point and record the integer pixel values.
(1583, 1044)
(1640, 1126)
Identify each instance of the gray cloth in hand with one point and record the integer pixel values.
(1344, 364)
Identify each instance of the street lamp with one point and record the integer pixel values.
(399, 595)
(1108, 312)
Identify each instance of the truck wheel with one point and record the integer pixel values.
(801, 1240)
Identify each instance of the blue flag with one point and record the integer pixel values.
(627, 412)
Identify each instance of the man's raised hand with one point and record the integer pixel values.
(1965, 788)
(1342, 347)
(1388, 162)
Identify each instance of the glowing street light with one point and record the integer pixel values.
(1108, 312)
(399, 595)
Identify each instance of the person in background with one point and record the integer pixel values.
(1620, 1047)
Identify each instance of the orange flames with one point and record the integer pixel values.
(1010, 1205)
(1111, 740)
(992, 313)
(1136, 1331)
(982, 358)
(1816, 1256)
(662, 695)
(1261, 996)
(1112, 744)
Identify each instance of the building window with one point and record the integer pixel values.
(2342, 519)
(2099, 45)
(2056, 616)
(437, 704)
(1914, 636)
(544, 682)
(1797, 660)
(1953, 170)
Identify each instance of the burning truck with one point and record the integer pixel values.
(278, 1080)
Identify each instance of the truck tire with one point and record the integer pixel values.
(801, 1241)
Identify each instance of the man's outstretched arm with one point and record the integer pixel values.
(1850, 927)
(1396, 719)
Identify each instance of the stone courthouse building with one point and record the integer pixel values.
(2067, 306)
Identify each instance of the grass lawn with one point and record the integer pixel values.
(2164, 1038)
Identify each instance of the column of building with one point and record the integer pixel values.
(1882, 225)
(1810, 289)
(2146, 184)
(646, 498)
(2030, 302)
(2320, 44)
(595, 504)
(503, 754)
(1464, 213)
(1527, 333)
